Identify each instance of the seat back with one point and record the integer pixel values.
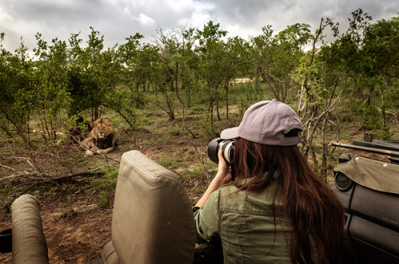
(152, 218)
(28, 241)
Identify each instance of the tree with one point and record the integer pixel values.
(319, 72)
(278, 56)
(50, 76)
(18, 96)
(84, 74)
(211, 53)
(370, 59)
(236, 59)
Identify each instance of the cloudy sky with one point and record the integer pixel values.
(118, 19)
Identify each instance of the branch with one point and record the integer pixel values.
(4, 166)
(63, 177)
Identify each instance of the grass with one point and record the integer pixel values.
(103, 200)
(346, 136)
(164, 162)
(66, 203)
(165, 141)
(106, 182)
(175, 131)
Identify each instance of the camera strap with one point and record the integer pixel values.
(233, 176)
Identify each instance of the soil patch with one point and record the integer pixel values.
(71, 237)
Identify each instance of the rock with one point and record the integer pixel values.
(85, 208)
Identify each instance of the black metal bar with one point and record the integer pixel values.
(374, 150)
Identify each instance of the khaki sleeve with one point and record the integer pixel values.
(207, 220)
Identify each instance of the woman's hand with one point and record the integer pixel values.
(223, 173)
(222, 176)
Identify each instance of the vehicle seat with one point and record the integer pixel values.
(28, 241)
(152, 218)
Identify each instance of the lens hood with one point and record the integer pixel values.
(213, 149)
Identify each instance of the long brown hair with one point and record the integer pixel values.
(309, 203)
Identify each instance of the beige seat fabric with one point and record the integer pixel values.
(152, 219)
(109, 255)
(28, 243)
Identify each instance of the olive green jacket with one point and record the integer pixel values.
(244, 224)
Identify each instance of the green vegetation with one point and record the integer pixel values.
(169, 98)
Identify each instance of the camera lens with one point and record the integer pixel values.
(227, 147)
(213, 149)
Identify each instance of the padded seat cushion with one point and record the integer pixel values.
(152, 218)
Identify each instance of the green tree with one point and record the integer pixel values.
(18, 94)
(236, 59)
(211, 53)
(84, 74)
(319, 72)
(278, 56)
(50, 76)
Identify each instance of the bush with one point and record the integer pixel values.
(103, 200)
(384, 133)
(347, 118)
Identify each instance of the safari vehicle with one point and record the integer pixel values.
(369, 191)
(153, 222)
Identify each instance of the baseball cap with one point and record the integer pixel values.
(268, 122)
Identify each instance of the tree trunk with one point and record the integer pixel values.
(325, 149)
(126, 119)
(217, 102)
(256, 81)
(211, 108)
(226, 87)
(95, 113)
(28, 129)
(369, 97)
(217, 109)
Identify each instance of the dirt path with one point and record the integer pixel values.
(71, 237)
(241, 80)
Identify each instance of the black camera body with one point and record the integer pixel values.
(227, 146)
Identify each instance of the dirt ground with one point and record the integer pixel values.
(71, 237)
(80, 237)
(241, 80)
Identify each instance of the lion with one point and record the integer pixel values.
(102, 140)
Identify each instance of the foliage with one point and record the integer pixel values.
(106, 183)
(189, 71)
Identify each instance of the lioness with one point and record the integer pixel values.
(102, 140)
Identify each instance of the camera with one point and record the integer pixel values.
(227, 147)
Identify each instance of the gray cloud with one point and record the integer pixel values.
(117, 19)
(254, 14)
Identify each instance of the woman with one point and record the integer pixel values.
(277, 210)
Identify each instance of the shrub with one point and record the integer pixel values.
(103, 200)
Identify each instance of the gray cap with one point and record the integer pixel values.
(267, 122)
